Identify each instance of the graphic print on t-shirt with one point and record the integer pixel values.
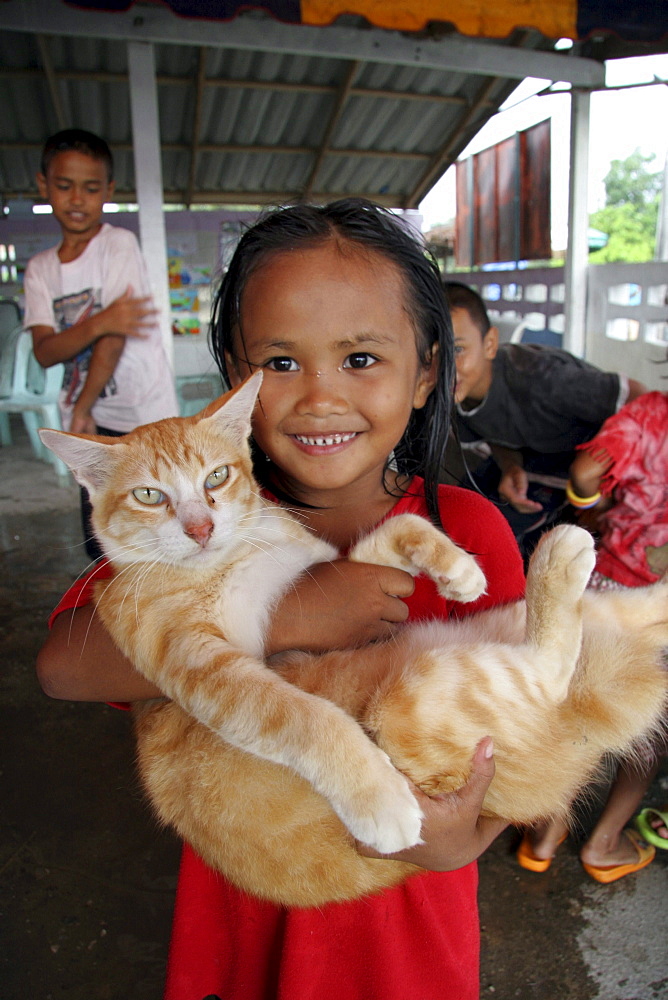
(68, 310)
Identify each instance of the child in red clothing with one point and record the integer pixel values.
(344, 313)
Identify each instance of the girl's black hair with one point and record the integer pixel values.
(365, 225)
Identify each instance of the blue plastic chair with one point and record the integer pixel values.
(34, 394)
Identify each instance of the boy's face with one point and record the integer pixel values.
(76, 186)
(473, 357)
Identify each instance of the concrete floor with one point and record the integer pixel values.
(87, 880)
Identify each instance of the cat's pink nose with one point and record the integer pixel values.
(200, 532)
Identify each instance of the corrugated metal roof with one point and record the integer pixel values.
(240, 125)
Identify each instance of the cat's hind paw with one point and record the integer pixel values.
(392, 819)
(567, 551)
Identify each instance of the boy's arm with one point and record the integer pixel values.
(126, 316)
(101, 367)
(635, 389)
(514, 482)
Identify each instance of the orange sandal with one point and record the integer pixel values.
(527, 859)
(610, 873)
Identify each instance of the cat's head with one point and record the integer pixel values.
(179, 491)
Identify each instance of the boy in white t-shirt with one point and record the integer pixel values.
(88, 302)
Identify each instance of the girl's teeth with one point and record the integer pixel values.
(325, 441)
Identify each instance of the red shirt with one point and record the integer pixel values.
(417, 941)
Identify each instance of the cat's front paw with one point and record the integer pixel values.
(464, 581)
(391, 820)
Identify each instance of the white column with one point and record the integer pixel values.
(148, 178)
(577, 251)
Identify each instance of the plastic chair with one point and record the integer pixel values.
(195, 391)
(34, 394)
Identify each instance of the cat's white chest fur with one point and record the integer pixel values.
(281, 551)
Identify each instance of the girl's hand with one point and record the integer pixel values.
(339, 605)
(453, 830)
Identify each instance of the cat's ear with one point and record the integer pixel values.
(236, 408)
(87, 456)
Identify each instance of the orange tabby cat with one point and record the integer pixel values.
(271, 773)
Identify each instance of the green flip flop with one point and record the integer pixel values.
(648, 833)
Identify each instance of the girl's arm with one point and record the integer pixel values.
(333, 606)
(80, 662)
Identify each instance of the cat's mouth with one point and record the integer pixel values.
(325, 440)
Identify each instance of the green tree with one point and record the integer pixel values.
(629, 218)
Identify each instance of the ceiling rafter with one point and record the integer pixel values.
(166, 80)
(236, 198)
(51, 80)
(334, 118)
(456, 142)
(228, 147)
(197, 120)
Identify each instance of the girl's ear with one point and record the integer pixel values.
(426, 380)
(232, 372)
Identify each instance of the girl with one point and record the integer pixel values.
(342, 309)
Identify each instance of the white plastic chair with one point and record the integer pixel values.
(34, 394)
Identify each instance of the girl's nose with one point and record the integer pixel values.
(322, 393)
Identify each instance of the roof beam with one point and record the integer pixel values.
(197, 119)
(334, 118)
(278, 86)
(51, 80)
(251, 32)
(458, 141)
(212, 147)
(238, 199)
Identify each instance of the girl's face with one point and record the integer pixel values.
(331, 332)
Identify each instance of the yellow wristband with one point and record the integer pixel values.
(582, 503)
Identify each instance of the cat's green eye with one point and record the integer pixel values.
(217, 477)
(149, 496)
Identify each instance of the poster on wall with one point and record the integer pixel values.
(188, 289)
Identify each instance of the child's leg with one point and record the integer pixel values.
(606, 844)
(544, 838)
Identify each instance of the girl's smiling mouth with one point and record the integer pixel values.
(325, 440)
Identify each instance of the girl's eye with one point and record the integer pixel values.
(282, 365)
(360, 360)
(147, 495)
(217, 477)
(458, 349)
